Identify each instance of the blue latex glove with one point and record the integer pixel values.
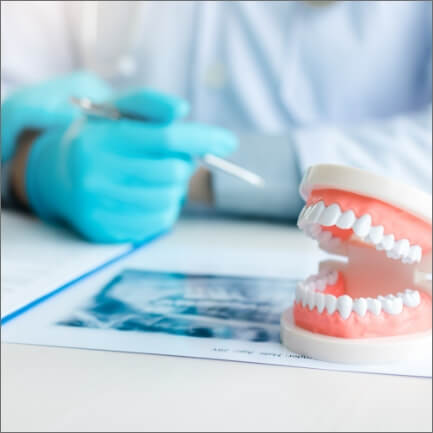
(118, 181)
(47, 104)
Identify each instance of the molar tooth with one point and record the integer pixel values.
(362, 225)
(330, 215)
(400, 249)
(331, 303)
(346, 220)
(415, 253)
(374, 306)
(320, 302)
(316, 212)
(360, 306)
(411, 298)
(344, 305)
(386, 243)
(392, 305)
(376, 234)
(332, 278)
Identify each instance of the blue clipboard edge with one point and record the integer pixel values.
(74, 281)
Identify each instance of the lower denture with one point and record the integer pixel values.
(409, 321)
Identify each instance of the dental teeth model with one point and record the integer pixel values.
(376, 305)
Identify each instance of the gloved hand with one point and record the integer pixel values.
(46, 105)
(118, 181)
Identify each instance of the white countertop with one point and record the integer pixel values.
(57, 389)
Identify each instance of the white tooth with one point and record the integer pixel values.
(324, 237)
(386, 243)
(411, 298)
(305, 293)
(400, 249)
(392, 305)
(415, 253)
(311, 299)
(344, 305)
(320, 302)
(346, 220)
(376, 234)
(330, 215)
(362, 225)
(299, 291)
(301, 219)
(360, 306)
(314, 215)
(374, 306)
(321, 284)
(331, 303)
(332, 278)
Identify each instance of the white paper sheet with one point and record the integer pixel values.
(122, 309)
(37, 259)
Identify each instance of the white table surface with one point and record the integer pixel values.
(54, 389)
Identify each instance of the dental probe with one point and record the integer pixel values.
(107, 111)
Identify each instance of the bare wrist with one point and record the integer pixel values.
(200, 187)
(19, 165)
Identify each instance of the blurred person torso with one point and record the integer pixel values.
(258, 66)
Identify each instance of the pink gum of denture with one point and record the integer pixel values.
(395, 221)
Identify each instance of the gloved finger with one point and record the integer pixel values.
(146, 171)
(194, 139)
(131, 199)
(155, 106)
(108, 226)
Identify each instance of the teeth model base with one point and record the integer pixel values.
(377, 305)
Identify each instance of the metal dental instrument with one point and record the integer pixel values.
(110, 112)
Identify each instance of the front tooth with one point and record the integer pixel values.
(316, 212)
(362, 226)
(320, 302)
(311, 299)
(346, 220)
(376, 234)
(400, 249)
(415, 253)
(392, 305)
(344, 305)
(387, 243)
(411, 298)
(374, 306)
(301, 219)
(331, 303)
(360, 306)
(330, 215)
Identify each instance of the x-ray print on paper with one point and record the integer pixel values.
(202, 306)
